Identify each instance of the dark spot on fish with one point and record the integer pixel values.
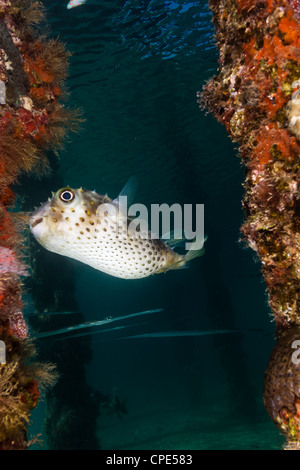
(37, 221)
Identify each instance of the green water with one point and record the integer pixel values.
(135, 71)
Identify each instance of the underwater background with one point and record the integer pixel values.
(135, 70)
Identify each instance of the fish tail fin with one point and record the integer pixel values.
(191, 254)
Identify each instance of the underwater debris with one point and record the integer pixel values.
(32, 73)
(254, 96)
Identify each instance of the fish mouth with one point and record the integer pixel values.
(36, 222)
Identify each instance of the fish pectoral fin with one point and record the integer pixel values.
(172, 239)
(181, 263)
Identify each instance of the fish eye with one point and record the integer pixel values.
(67, 195)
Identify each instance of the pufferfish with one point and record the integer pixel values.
(77, 223)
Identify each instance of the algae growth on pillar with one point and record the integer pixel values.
(32, 120)
(255, 95)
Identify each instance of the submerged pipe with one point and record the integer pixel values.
(255, 95)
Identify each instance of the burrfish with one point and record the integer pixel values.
(92, 228)
(75, 3)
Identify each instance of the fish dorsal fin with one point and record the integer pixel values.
(128, 191)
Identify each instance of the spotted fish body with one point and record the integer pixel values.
(72, 224)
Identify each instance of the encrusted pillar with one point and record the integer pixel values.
(255, 95)
(32, 71)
